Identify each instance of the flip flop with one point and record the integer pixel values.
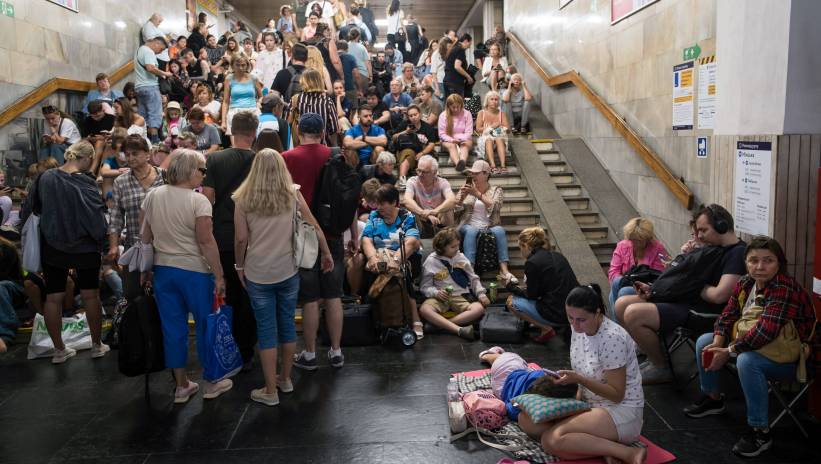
(503, 170)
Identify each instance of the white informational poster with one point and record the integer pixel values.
(753, 166)
(683, 96)
(707, 93)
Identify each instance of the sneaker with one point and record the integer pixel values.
(268, 399)
(460, 166)
(61, 356)
(652, 375)
(182, 395)
(753, 443)
(213, 390)
(705, 406)
(403, 181)
(285, 386)
(466, 332)
(301, 362)
(99, 350)
(336, 361)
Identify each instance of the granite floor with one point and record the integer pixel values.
(386, 405)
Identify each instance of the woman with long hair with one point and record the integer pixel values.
(316, 62)
(456, 130)
(127, 118)
(492, 125)
(314, 99)
(264, 229)
(240, 93)
(395, 16)
(494, 66)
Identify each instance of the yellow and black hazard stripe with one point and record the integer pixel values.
(707, 59)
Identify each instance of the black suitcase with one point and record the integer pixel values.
(357, 326)
(501, 326)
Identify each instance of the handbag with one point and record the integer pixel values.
(30, 235)
(784, 348)
(339, 18)
(223, 359)
(305, 241)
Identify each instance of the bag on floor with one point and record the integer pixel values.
(140, 337)
(501, 326)
(487, 259)
(357, 326)
(75, 332)
(392, 307)
(484, 410)
(223, 359)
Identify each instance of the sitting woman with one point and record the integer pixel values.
(640, 246)
(549, 280)
(456, 130)
(128, 119)
(517, 100)
(382, 231)
(382, 170)
(451, 286)
(492, 125)
(766, 305)
(603, 359)
(482, 208)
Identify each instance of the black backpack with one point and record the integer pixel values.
(486, 253)
(639, 273)
(686, 276)
(294, 86)
(140, 338)
(336, 198)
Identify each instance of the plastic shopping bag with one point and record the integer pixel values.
(223, 359)
(75, 331)
(30, 237)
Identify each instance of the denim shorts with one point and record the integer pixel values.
(274, 307)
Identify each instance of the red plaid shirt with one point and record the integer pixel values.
(784, 300)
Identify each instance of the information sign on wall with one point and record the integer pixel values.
(683, 96)
(707, 93)
(68, 4)
(620, 9)
(753, 166)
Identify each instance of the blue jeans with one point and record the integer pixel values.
(274, 306)
(616, 294)
(179, 292)
(53, 150)
(149, 106)
(754, 370)
(469, 240)
(10, 292)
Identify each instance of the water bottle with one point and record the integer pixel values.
(453, 391)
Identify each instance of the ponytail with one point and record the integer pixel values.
(588, 298)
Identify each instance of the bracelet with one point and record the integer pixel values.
(238, 268)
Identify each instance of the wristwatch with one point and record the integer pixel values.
(731, 350)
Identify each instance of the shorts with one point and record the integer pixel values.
(407, 154)
(55, 277)
(230, 116)
(628, 421)
(529, 309)
(315, 284)
(672, 315)
(457, 304)
(501, 368)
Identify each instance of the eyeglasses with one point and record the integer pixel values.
(423, 171)
(765, 261)
(202, 171)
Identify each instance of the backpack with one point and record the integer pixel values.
(294, 86)
(140, 338)
(639, 273)
(686, 276)
(486, 253)
(336, 197)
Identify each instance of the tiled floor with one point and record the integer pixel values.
(386, 405)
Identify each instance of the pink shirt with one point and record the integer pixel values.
(462, 127)
(623, 259)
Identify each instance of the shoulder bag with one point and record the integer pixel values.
(305, 240)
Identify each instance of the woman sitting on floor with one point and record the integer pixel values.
(448, 269)
(750, 330)
(603, 358)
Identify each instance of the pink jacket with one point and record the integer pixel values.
(623, 260)
(462, 127)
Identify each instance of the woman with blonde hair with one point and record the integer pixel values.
(639, 246)
(314, 99)
(72, 234)
(456, 130)
(241, 92)
(316, 62)
(264, 229)
(549, 280)
(492, 125)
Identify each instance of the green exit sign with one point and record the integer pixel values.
(7, 8)
(691, 53)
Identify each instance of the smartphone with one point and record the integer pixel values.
(469, 181)
(706, 358)
(553, 374)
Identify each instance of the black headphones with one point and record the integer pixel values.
(718, 222)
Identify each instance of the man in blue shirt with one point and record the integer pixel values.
(350, 72)
(368, 139)
(397, 103)
(103, 93)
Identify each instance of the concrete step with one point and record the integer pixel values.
(526, 218)
(595, 231)
(576, 203)
(449, 170)
(587, 217)
(556, 166)
(444, 160)
(562, 178)
(523, 204)
(570, 190)
(503, 180)
(550, 156)
(544, 146)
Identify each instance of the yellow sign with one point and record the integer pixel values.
(209, 5)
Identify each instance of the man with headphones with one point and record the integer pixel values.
(643, 319)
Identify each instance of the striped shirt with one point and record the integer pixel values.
(315, 102)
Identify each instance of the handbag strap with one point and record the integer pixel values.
(480, 431)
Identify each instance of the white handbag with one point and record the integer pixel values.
(139, 257)
(30, 237)
(305, 241)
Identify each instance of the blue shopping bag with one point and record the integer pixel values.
(222, 352)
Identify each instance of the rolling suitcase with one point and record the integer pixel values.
(501, 326)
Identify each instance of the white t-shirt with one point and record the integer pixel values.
(428, 199)
(478, 218)
(327, 8)
(268, 65)
(69, 130)
(394, 21)
(610, 348)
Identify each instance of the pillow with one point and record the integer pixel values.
(543, 409)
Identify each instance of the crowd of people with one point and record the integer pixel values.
(219, 143)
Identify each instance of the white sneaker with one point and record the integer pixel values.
(61, 356)
(213, 390)
(98, 351)
(285, 386)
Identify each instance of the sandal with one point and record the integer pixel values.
(503, 170)
(418, 327)
(494, 170)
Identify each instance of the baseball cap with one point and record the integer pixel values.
(479, 166)
(311, 123)
(172, 105)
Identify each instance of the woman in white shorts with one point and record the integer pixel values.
(603, 358)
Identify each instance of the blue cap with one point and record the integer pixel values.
(311, 123)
